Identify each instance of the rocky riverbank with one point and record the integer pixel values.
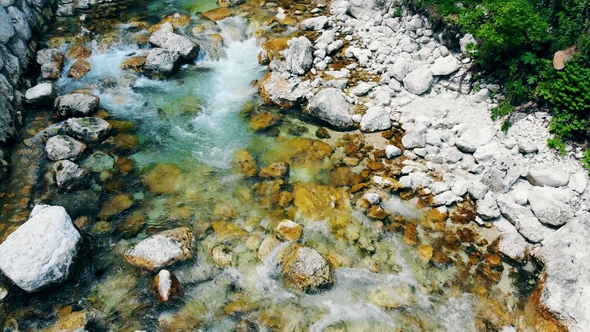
(324, 217)
(393, 71)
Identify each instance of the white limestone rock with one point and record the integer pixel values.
(299, 57)
(487, 208)
(523, 218)
(75, 104)
(578, 182)
(415, 181)
(415, 136)
(88, 129)
(314, 23)
(162, 61)
(474, 137)
(307, 270)
(445, 66)
(41, 94)
(418, 81)
(392, 151)
(376, 119)
(362, 89)
(330, 105)
(68, 175)
(170, 41)
(551, 205)
(399, 69)
(42, 252)
(548, 175)
(162, 249)
(512, 244)
(62, 147)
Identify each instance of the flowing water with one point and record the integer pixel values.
(171, 163)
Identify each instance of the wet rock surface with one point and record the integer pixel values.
(41, 252)
(162, 249)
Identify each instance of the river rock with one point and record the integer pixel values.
(41, 94)
(79, 68)
(330, 105)
(41, 253)
(487, 208)
(299, 56)
(445, 66)
(551, 205)
(415, 136)
(477, 190)
(22, 30)
(62, 147)
(167, 286)
(288, 230)
(314, 23)
(68, 175)
(523, 218)
(418, 81)
(283, 90)
(415, 181)
(567, 273)
(51, 61)
(578, 183)
(75, 104)
(392, 151)
(170, 41)
(88, 129)
(547, 175)
(6, 28)
(512, 244)
(162, 249)
(399, 69)
(304, 268)
(474, 137)
(275, 170)
(375, 119)
(162, 61)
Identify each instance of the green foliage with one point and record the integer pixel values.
(558, 144)
(586, 159)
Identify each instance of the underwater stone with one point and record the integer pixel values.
(42, 251)
(304, 268)
(88, 129)
(162, 249)
(288, 230)
(167, 286)
(275, 170)
(61, 147)
(79, 68)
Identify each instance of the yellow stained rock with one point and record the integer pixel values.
(124, 141)
(218, 14)
(288, 230)
(262, 121)
(164, 179)
(314, 202)
(79, 52)
(226, 231)
(115, 205)
(75, 321)
(275, 170)
(275, 46)
(135, 63)
(78, 69)
(267, 246)
(246, 163)
(177, 20)
(425, 252)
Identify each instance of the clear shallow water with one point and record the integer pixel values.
(411, 272)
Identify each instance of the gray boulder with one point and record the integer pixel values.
(567, 274)
(51, 61)
(6, 125)
(75, 104)
(551, 205)
(162, 249)
(487, 208)
(22, 30)
(6, 28)
(170, 41)
(41, 253)
(162, 61)
(6, 89)
(474, 137)
(41, 94)
(512, 244)
(62, 147)
(299, 56)
(445, 66)
(307, 270)
(68, 175)
(415, 136)
(88, 129)
(283, 90)
(578, 183)
(418, 81)
(523, 218)
(399, 69)
(330, 105)
(314, 23)
(548, 175)
(375, 119)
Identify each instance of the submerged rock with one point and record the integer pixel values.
(88, 129)
(162, 249)
(305, 269)
(330, 105)
(68, 175)
(167, 286)
(218, 14)
(75, 104)
(79, 68)
(61, 147)
(288, 230)
(42, 251)
(275, 170)
(41, 94)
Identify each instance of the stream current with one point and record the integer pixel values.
(171, 162)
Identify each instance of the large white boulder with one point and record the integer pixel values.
(40, 94)
(474, 137)
(418, 81)
(168, 40)
(42, 251)
(375, 119)
(548, 175)
(299, 56)
(162, 249)
(445, 66)
(330, 105)
(551, 205)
